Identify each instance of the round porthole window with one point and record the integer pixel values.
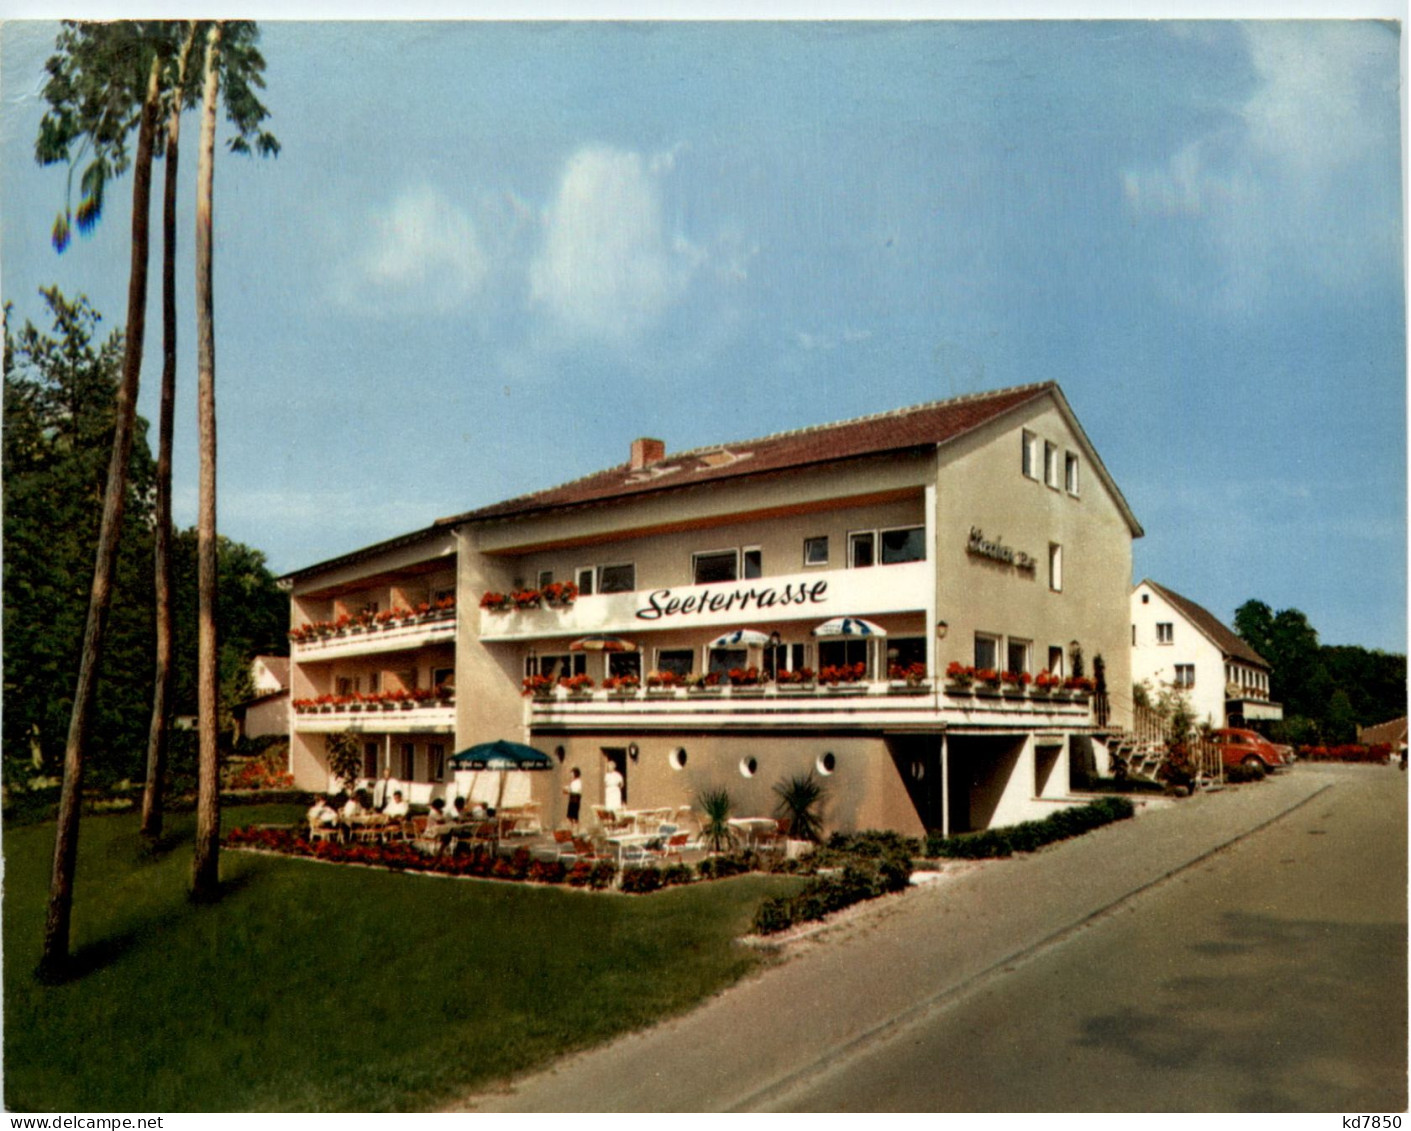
(677, 758)
(826, 763)
(748, 767)
(918, 769)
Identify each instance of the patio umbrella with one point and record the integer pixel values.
(741, 637)
(602, 644)
(503, 756)
(849, 626)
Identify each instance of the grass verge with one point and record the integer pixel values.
(309, 987)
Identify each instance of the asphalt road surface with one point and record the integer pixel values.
(1270, 977)
(1244, 950)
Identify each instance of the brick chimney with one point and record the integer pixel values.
(646, 451)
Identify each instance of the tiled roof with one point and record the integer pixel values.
(278, 667)
(1223, 638)
(1392, 733)
(922, 426)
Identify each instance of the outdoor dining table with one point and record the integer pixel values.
(752, 827)
(620, 842)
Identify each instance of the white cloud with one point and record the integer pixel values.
(609, 265)
(1299, 182)
(419, 250)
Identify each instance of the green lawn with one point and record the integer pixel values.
(317, 987)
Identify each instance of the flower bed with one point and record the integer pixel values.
(1030, 835)
(1348, 752)
(441, 693)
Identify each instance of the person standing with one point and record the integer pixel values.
(574, 789)
(613, 784)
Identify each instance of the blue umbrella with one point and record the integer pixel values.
(749, 637)
(849, 626)
(501, 755)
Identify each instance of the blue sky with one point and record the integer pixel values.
(490, 255)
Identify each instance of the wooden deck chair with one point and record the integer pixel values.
(323, 832)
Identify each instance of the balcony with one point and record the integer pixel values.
(336, 643)
(862, 706)
(431, 716)
(816, 595)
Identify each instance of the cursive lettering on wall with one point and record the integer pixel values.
(996, 550)
(661, 604)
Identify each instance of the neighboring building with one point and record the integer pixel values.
(1176, 642)
(983, 530)
(1392, 734)
(267, 711)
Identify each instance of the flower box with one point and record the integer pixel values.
(959, 689)
(902, 687)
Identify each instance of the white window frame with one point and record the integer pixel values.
(852, 534)
(1051, 464)
(1019, 642)
(745, 552)
(617, 565)
(1057, 660)
(1182, 670)
(1169, 637)
(656, 657)
(1070, 473)
(1055, 567)
(925, 550)
(546, 577)
(1029, 455)
(994, 639)
(586, 574)
(816, 538)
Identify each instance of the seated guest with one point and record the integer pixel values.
(352, 807)
(322, 813)
(478, 812)
(456, 810)
(397, 807)
(437, 815)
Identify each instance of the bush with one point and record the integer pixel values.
(862, 879)
(1031, 835)
(773, 915)
(1238, 775)
(730, 864)
(547, 871)
(674, 874)
(875, 842)
(639, 881)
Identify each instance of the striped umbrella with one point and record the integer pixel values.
(849, 626)
(602, 644)
(741, 638)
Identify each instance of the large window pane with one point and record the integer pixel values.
(860, 550)
(617, 579)
(905, 545)
(717, 566)
(681, 661)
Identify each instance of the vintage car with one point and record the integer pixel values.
(1247, 748)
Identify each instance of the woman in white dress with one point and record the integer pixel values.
(613, 783)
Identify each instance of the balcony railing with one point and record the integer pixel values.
(431, 715)
(361, 639)
(863, 702)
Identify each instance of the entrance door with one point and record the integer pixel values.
(616, 757)
(918, 760)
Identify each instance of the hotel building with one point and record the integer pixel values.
(835, 561)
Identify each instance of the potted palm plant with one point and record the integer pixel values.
(716, 830)
(800, 803)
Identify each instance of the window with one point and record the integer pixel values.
(406, 767)
(370, 752)
(836, 653)
(1017, 655)
(1055, 659)
(1055, 567)
(904, 544)
(617, 578)
(585, 581)
(1070, 473)
(1050, 465)
(678, 661)
(1185, 675)
(557, 666)
(1029, 454)
(906, 650)
(754, 562)
(862, 549)
(1163, 632)
(815, 551)
(443, 595)
(625, 663)
(713, 566)
(546, 577)
(443, 677)
(986, 651)
(723, 659)
(788, 657)
(374, 682)
(436, 761)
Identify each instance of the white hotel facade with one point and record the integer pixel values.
(982, 531)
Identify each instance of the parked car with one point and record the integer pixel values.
(1248, 748)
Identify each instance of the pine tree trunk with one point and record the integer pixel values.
(54, 961)
(206, 866)
(161, 683)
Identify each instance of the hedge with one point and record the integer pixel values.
(864, 878)
(1030, 835)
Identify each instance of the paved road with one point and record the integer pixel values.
(1106, 972)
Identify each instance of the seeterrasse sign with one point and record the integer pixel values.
(997, 551)
(662, 605)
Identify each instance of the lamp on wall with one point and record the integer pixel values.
(941, 629)
(559, 753)
(633, 752)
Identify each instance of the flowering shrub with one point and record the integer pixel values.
(1078, 683)
(663, 679)
(396, 697)
(988, 676)
(621, 683)
(835, 674)
(959, 674)
(259, 775)
(1348, 752)
(526, 598)
(914, 674)
(1046, 681)
(537, 685)
(577, 683)
(1016, 679)
(708, 679)
(560, 593)
(497, 602)
(744, 677)
(801, 675)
